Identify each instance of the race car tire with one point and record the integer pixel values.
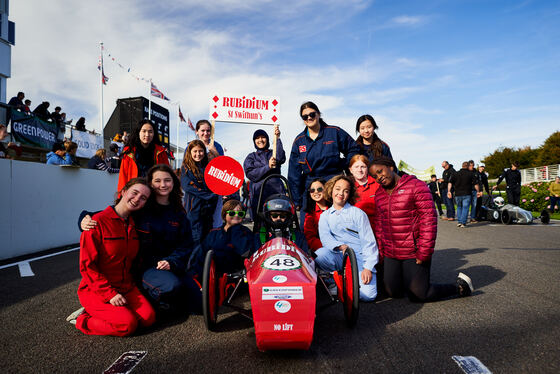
(545, 217)
(350, 287)
(210, 291)
(506, 217)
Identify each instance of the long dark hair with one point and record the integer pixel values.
(376, 146)
(312, 105)
(176, 195)
(134, 139)
(190, 164)
(310, 203)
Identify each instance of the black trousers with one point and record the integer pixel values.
(405, 276)
(437, 200)
(513, 194)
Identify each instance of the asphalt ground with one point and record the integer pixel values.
(510, 323)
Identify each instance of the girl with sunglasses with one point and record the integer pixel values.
(141, 152)
(112, 304)
(199, 201)
(316, 153)
(231, 243)
(344, 226)
(259, 165)
(316, 205)
(368, 140)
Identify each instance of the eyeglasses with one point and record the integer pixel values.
(311, 115)
(318, 189)
(278, 215)
(233, 213)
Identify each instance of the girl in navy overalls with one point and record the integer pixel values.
(199, 201)
(316, 153)
(368, 140)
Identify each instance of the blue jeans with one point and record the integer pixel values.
(473, 204)
(463, 203)
(330, 260)
(449, 205)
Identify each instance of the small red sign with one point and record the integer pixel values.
(224, 175)
(302, 149)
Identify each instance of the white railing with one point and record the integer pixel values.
(539, 174)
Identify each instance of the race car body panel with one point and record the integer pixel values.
(282, 282)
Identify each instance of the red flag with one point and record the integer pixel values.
(191, 125)
(181, 117)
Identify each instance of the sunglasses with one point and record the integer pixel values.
(233, 213)
(278, 215)
(311, 115)
(318, 189)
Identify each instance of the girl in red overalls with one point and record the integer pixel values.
(113, 304)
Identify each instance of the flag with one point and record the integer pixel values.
(104, 78)
(158, 93)
(181, 117)
(191, 125)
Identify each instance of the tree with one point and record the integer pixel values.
(549, 152)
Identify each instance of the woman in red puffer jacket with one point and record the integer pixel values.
(405, 225)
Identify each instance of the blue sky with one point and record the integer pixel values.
(444, 79)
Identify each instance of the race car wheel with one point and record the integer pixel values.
(545, 217)
(506, 217)
(350, 287)
(210, 291)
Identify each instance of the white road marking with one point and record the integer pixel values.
(126, 363)
(25, 269)
(471, 365)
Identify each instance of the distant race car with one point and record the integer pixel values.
(282, 282)
(496, 210)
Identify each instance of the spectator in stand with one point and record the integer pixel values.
(316, 205)
(368, 140)
(42, 111)
(56, 116)
(114, 159)
(448, 172)
(81, 124)
(4, 148)
(125, 137)
(141, 153)
(58, 155)
(27, 106)
(199, 201)
(117, 138)
(554, 189)
(17, 101)
(99, 162)
(245, 193)
(316, 153)
(463, 181)
(482, 185)
(260, 164)
(435, 188)
(406, 231)
(513, 183)
(71, 149)
(474, 193)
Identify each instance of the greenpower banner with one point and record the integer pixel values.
(423, 175)
(31, 130)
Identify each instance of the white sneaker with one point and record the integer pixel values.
(72, 317)
(464, 283)
(333, 289)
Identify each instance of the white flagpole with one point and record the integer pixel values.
(177, 141)
(150, 101)
(101, 82)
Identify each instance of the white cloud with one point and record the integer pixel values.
(410, 20)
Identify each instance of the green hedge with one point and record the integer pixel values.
(535, 196)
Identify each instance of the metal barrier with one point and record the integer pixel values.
(539, 174)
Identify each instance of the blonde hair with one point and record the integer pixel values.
(101, 152)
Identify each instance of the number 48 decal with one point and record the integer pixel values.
(281, 262)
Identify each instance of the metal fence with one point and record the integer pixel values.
(539, 174)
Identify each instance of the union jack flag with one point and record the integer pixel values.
(181, 117)
(191, 125)
(158, 93)
(104, 78)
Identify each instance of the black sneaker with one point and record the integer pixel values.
(464, 285)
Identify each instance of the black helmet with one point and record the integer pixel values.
(279, 203)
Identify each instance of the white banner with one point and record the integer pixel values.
(87, 143)
(263, 110)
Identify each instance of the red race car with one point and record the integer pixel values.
(282, 282)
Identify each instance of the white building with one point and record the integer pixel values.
(7, 39)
